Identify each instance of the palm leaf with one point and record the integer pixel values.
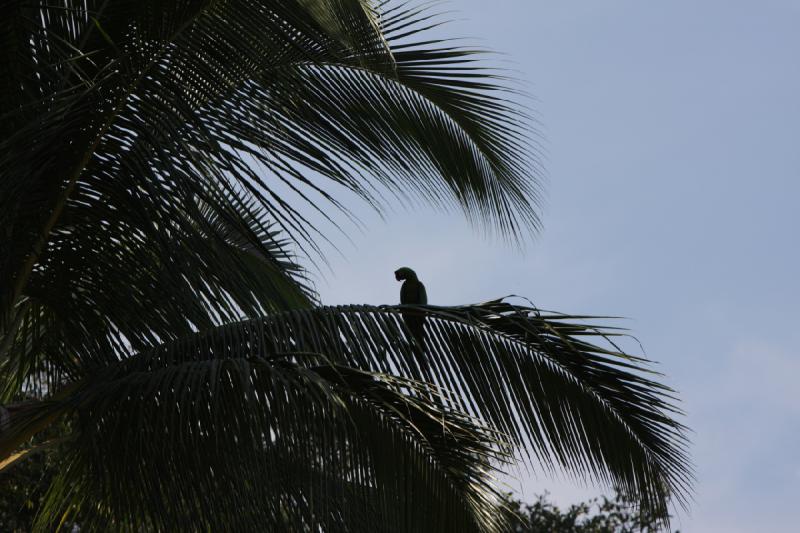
(244, 443)
(177, 102)
(544, 380)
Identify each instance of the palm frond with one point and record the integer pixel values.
(234, 441)
(544, 380)
(165, 104)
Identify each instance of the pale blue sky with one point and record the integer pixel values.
(672, 135)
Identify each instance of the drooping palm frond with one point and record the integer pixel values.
(540, 379)
(241, 442)
(125, 171)
(543, 379)
(163, 103)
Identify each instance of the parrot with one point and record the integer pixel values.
(412, 292)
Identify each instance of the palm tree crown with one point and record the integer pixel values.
(157, 162)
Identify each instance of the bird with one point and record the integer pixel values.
(412, 292)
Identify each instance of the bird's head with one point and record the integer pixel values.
(404, 273)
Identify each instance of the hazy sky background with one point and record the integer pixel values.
(672, 135)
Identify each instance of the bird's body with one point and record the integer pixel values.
(412, 292)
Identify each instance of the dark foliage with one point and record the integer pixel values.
(157, 160)
(598, 515)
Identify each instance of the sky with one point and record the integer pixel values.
(671, 133)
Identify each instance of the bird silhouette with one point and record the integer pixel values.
(412, 292)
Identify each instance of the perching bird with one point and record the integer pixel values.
(413, 293)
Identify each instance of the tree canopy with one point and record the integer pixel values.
(157, 160)
(597, 515)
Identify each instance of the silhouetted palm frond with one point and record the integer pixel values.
(538, 379)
